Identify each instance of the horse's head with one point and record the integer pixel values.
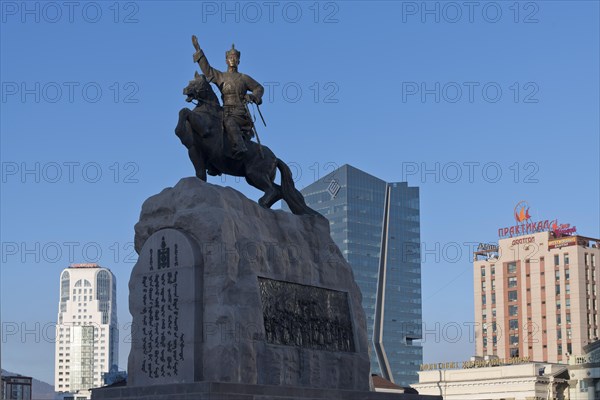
(200, 89)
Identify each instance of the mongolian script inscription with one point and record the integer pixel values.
(306, 316)
(162, 342)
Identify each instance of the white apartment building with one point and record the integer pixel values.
(87, 335)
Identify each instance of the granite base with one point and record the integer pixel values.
(240, 391)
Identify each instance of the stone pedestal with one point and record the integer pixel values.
(237, 391)
(233, 301)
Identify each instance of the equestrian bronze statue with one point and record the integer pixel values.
(218, 138)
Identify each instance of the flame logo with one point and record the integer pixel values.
(522, 211)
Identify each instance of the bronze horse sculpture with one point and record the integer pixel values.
(201, 131)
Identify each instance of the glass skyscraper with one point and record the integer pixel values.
(355, 204)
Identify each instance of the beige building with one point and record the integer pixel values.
(536, 296)
(530, 381)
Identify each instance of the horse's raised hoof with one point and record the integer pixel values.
(263, 203)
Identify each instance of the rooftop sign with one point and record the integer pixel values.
(526, 226)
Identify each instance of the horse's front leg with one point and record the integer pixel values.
(198, 161)
(182, 129)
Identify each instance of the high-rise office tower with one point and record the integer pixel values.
(536, 291)
(376, 226)
(87, 334)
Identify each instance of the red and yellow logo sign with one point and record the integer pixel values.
(526, 226)
(522, 212)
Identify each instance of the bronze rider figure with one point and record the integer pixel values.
(234, 87)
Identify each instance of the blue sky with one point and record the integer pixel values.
(499, 102)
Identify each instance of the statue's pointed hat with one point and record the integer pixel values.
(233, 51)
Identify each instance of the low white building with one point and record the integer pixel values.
(584, 373)
(529, 381)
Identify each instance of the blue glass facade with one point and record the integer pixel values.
(353, 202)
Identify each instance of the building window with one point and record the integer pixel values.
(512, 295)
(557, 274)
(568, 289)
(493, 298)
(593, 257)
(568, 318)
(513, 310)
(484, 341)
(484, 315)
(559, 334)
(558, 320)
(512, 282)
(512, 267)
(482, 271)
(559, 349)
(566, 258)
(558, 304)
(483, 285)
(493, 269)
(493, 313)
(493, 284)
(483, 299)
(513, 324)
(514, 352)
(569, 333)
(567, 274)
(587, 259)
(556, 259)
(514, 340)
(568, 303)
(494, 340)
(557, 290)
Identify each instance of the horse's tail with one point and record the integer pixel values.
(290, 194)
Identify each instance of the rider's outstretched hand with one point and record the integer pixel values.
(197, 54)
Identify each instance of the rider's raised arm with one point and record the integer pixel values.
(212, 74)
(256, 88)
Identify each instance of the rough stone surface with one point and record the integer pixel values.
(229, 242)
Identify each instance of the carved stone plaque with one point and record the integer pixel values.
(306, 316)
(164, 293)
